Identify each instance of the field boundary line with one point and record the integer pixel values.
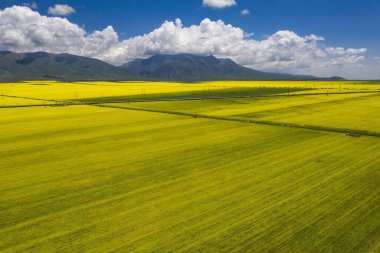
(351, 132)
(30, 98)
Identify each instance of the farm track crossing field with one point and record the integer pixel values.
(89, 178)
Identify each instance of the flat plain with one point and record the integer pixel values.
(173, 167)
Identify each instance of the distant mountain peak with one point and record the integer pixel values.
(193, 67)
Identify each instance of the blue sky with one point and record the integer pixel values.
(349, 23)
(342, 23)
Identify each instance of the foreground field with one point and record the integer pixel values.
(90, 178)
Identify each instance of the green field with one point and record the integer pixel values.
(273, 172)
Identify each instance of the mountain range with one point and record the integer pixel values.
(63, 67)
(163, 67)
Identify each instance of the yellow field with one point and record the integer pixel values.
(82, 90)
(346, 111)
(172, 167)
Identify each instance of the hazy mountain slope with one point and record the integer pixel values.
(188, 67)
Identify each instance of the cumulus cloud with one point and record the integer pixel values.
(209, 37)
(23, 29)
(61, 10)
(245, 12)
(219, 3)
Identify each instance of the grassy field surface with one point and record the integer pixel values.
(90, 178)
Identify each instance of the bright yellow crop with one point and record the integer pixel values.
(82, 90)
(186, 175)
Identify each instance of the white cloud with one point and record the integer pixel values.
(209, 37)
(23, 30)
(343, 51)
(61, 10)
(32, 5)
(356, 50)
(351, 59)
(219, 3)
(245, 12)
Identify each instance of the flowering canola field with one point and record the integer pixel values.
(173, 167)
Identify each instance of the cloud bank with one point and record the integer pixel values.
(25, 30)
(219, 4)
